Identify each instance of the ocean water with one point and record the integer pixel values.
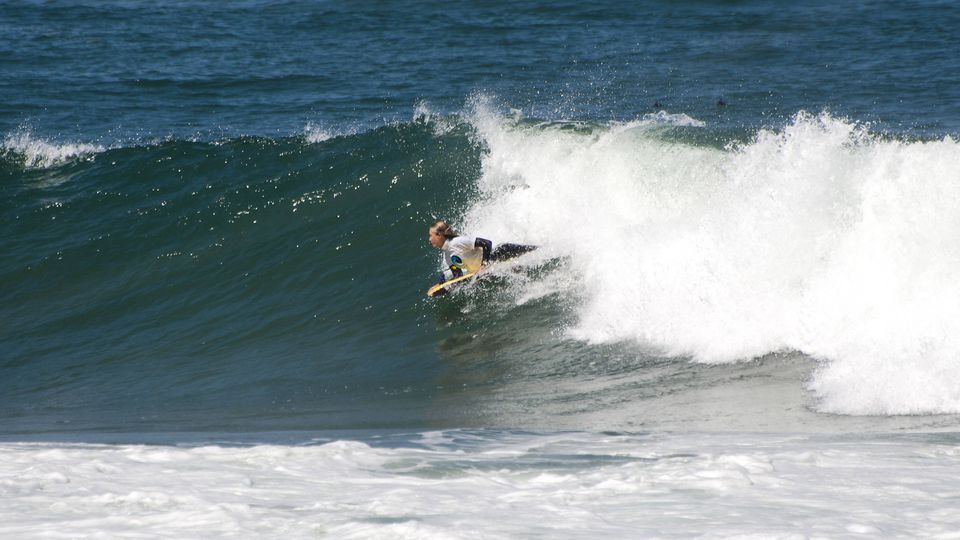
(742, 320)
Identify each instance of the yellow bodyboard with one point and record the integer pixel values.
(444, 288)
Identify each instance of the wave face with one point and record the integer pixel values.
(234, 275)
(261, 283)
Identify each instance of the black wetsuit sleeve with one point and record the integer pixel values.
(486, 245)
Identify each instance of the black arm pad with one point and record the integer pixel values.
(486, 245)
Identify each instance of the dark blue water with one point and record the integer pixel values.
(214, 213)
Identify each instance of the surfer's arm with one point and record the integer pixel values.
(486, 246)
(452, 272)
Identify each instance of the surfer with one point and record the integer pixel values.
(465, 254)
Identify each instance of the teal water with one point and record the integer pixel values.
(214, 217)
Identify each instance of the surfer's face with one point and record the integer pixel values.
(436, 239)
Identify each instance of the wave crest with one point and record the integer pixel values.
(33, 152)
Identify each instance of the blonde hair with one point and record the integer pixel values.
(444, 229)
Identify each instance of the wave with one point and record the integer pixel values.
(216, 276)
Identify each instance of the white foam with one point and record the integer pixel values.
(818, 237)
(456, 485)
(38, 153)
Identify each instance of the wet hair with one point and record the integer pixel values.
(444, 229)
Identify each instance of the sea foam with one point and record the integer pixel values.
(818, 237)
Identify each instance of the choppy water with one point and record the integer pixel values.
(214, 235)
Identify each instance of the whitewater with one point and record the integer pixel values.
(819, 238)
(462, 484)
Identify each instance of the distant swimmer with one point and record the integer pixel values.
(467, 254)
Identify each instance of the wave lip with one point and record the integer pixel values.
(33, 152)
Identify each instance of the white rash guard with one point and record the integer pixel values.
(465, 253)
